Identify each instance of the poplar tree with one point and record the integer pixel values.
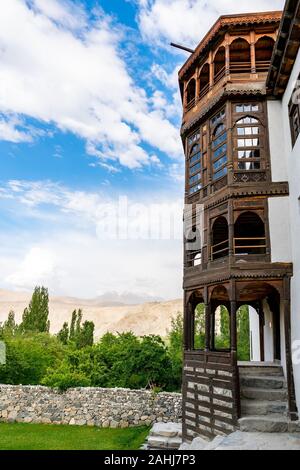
(35, 317)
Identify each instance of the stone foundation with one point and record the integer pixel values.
(114, 408)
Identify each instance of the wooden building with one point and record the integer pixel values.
(232, 255)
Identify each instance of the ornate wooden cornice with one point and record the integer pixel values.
(223, 23)
(271, 189)
(261, 271)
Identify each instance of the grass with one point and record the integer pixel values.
(21, 436)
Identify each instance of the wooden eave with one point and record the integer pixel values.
(285, 50)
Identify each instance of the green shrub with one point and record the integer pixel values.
(28, 357)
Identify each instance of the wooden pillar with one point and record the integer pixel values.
(261, 332)
(211, 70)
(227, 54)
(197, 84)
(293, 415)
(188, 327)
(233, 325)
(231, 228)
(252, 50)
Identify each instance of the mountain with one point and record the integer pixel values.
(142, 319)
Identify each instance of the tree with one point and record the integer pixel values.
(243, 328)
(35, 317)
(79, 335)
(86, 335)
(72, 327)
(63, 334)
(9, 327)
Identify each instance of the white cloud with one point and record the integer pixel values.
(61, 246)
(65, 69)
(187, 21)
(37, 268)
(10, 130)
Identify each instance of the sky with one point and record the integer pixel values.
(92, 166)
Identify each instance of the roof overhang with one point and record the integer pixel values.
(285, 49)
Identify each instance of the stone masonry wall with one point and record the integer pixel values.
(88, 406)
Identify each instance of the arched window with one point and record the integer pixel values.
(248, 143)
(263, 53)
(204, 80)
(240, 56)
(219, 64)
(220, 239)
(191, 92)
(219, 145)
(249, 234)
(243, 333)
(195, 169)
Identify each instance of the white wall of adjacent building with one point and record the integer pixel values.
(293, 165)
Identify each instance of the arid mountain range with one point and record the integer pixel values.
(142, 319)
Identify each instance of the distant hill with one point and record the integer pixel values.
(108, 315)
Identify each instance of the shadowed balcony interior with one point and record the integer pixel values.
(220, 239)
(204, 80)
(263, 53)
(240, 56)
(249, 235)
(219, 64)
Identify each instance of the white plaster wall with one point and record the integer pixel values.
(279, 225)
(276, 140)
(268, 333)
(254, 335)
(293, 160)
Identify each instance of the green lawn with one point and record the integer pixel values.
(21, 436)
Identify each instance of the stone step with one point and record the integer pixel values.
(259, 407)
(267, 370)
(160, 442)
(270, 423)
(264, 394)
(262, 381)
(166, 430)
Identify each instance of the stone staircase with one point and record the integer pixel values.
(263, 398)
(164, 436)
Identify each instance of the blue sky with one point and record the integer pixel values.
(90, 112)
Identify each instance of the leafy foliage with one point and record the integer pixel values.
(35, 317)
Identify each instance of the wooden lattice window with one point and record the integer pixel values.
(194, 163)
(248, 142)
(219, 145)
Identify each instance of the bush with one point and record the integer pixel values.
(29, 357)
(64, 377)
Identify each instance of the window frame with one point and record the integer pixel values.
(216, 122)
(194, 185)
(255, 163)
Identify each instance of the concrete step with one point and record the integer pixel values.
(262, 408)
(262, 381)
(253, 393)
(267, 369)
(271, 423)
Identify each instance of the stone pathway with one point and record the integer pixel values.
(247, 441)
